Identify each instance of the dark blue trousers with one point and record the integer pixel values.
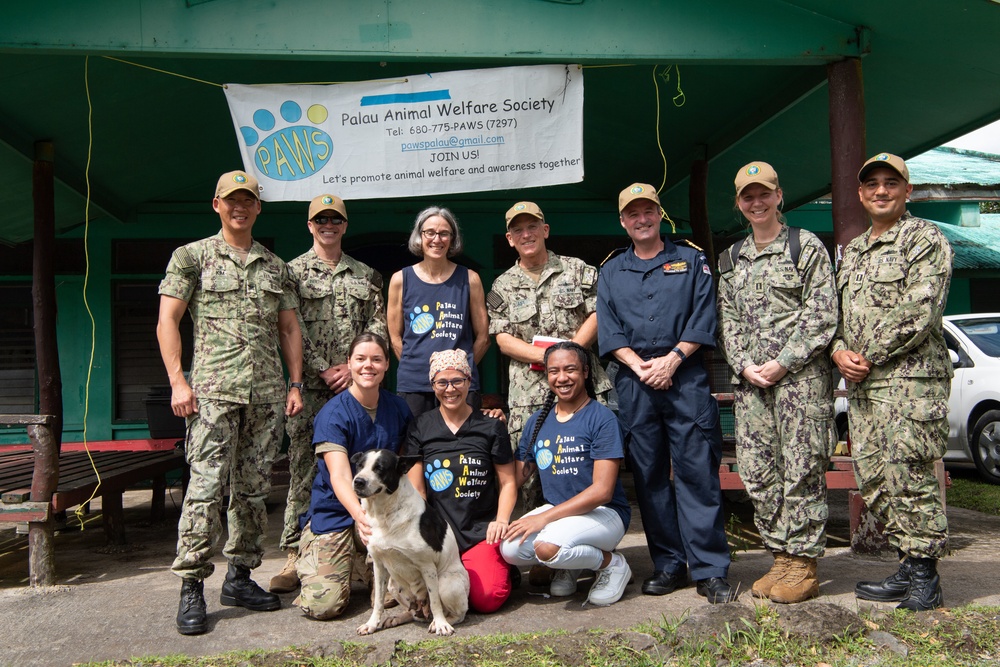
(677, 428)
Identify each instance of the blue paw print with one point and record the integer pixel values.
(543, 457)
(293, 152)
(438, 475)
(421, 321)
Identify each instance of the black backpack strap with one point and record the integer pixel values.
(794, 245)
(727, 260)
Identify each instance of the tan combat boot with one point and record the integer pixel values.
(287, 580)
(762, 587)
(799, 583)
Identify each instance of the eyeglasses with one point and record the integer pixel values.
(328, 220)
(457, 383)
(429, 234)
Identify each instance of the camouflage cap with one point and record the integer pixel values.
(524, 208)
(756, 172)
(231, 181)
(637, 191)
(327, 203)
(889, 160)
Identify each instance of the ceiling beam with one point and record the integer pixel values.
(67, 175)
(663, 31)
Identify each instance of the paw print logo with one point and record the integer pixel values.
(543, 457)
(421, 321)
(293, 152)
(438, 475)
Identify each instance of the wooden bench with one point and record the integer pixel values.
(118, 470)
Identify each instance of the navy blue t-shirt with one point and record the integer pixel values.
(565, 452)
(435, 317)
(342, 421)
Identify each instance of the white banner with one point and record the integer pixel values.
(469, 131)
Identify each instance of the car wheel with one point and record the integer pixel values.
(985, 446)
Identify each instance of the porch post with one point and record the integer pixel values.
(698, 204)
(847, 150)
(45, 440)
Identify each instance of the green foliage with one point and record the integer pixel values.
(942, 638)
(971, 493)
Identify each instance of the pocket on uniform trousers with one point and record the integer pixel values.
(824, 433)
(707, 422)
(923, 431)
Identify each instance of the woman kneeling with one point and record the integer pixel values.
(576, 445)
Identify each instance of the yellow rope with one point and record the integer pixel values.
(162, 71)
(659, 146)
(86, 280)
(222, 85)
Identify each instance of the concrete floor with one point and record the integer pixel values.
(116, 604)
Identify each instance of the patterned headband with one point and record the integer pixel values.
(445, 359)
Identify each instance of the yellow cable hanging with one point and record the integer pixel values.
(86, 280)
(659, 146)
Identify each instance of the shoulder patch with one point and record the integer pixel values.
(494, 300)
(376, 279)
(614, 253)
(589, 277)
(688, 243)
(919, 249)
(185, 262)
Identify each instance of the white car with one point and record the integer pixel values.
(974, 405)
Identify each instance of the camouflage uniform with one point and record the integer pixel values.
(324, 566)
(237, 378)
(563, 298)
(769, 308)
(892, 295)
(336, 304)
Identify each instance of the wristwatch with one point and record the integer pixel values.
(295, 385)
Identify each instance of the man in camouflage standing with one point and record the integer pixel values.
(339, 298)
(893, 284)
(543, 294)
(237, 293)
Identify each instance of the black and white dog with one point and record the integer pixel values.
(412, 544)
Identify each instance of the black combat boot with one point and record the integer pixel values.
(191, 616)
(239, 590)
(925, 586)
(893, 588)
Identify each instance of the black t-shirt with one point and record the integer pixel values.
(459, 472)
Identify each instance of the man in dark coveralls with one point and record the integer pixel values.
(655, 311)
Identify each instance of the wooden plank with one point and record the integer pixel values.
(24, 512)
(15, 496)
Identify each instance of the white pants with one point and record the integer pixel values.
(581, 540)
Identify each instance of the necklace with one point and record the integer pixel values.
(567, 415)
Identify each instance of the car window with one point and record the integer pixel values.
(984, 334)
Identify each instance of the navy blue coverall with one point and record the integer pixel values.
(649, 307)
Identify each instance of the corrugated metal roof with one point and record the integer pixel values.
(954, 166)
(975, 247)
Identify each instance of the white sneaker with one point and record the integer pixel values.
(610, 584)
(563, 583)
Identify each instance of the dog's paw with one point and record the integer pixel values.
(367, 629)
(441, 628)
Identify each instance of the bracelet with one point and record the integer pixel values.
(679, 353)
(295, 385)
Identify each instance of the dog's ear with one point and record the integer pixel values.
(357, 458)
(406, 462)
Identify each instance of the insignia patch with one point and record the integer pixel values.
(704, 269)
(675, 267)
(494, 300)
